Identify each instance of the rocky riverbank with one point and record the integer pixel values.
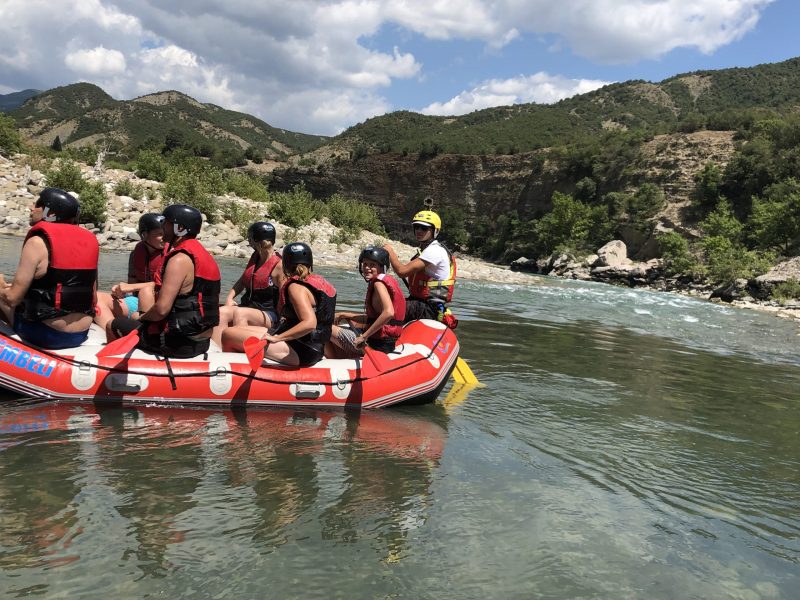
(610, 264)
(20, 184)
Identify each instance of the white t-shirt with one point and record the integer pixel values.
(437, 263)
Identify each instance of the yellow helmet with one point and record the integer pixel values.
(428, 217)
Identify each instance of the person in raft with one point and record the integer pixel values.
(380, 324)
(144, 271)
(51, 301)
(260, 281)
(306, 304)
(430, 274)
(186, 307)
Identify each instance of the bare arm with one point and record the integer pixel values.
(404, 270)
(32, 261)
(177, 276)
(235, 291)
(302, 302)
(381, 301)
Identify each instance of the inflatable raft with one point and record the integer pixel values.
(415, 373)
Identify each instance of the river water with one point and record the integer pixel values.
(626, 444)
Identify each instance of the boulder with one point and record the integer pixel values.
(613, 254)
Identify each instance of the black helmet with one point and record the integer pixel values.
(260, 231)
(150, 221)
(297, 253)
(59, 206)
(188, 216)
(376, 253)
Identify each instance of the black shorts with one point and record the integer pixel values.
(169, 344)
(308, 355)
(419, 309)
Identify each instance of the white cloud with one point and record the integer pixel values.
(317, 65)
(540, 88)
(97, 61)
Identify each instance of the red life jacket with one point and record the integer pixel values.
(423, 287)
(260, 291)
(324, 309)
(69, 284)
(146, 266)
(393, 328)
(198, 310)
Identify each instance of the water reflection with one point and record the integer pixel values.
(170, 480)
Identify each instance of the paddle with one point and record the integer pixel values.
(254, 349)
(121, 345)
(463, 374)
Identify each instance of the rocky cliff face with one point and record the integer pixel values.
(485, 187)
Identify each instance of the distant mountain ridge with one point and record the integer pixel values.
(83, 113)
(16, 99)
(682, 101)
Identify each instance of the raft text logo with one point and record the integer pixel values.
(19, 358)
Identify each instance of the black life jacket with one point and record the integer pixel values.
(394, 327)
(325, 308)
(69, 284)
(146, 267)
(198, 310)
(260, 291)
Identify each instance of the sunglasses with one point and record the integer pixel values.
(422, 227)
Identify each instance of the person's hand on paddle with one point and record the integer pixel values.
(360, 341)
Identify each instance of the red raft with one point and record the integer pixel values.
(415, 373)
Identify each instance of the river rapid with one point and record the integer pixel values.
(627, 444)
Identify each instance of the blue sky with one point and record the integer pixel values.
(319, 66)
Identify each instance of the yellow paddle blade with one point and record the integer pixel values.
(463, 374)
(457, 394)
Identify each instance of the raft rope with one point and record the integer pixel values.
(249, 375)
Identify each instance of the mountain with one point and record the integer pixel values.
(16, 99)
(82, 113)
(682, 101)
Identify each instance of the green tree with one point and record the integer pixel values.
(645, 204)
(723, 223)
(707, 187)
(10, 141)
(775, 221)
(567, 226)
(56, 145)
(675, 254)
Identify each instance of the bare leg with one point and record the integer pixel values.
(233, 341)
(225, 320)
(147, 298)
(109, 308)
(245, 315)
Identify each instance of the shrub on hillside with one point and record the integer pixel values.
(571, 224)
(727, 261)
(296, 208)
(788, 290)
(675, 254)
(195, 183)
(245, 186)
(66, 175)
(126, 187)
(353, 216)
(150, 164)
(10, 141)
(241, 215)
(93, 203)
